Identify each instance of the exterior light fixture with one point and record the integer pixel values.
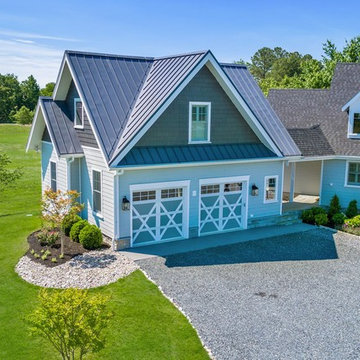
(125, 204)
(254, 190)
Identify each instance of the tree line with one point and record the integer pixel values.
(18, 99)
(278, 68)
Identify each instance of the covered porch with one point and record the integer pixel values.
(302, 185)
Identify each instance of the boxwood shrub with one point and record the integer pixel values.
(338, 220)
(308, 216)
(76, 228)
(352, 209)
(321, 219)
(90, 237)
(68, 221)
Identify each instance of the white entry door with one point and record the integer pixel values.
(159, 212)
(223, 205)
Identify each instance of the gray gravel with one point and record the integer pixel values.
(248, 302)
(92, 269)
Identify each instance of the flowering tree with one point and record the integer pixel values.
(56, 205)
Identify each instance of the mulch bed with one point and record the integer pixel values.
(71, 249)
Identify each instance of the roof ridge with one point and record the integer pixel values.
(181, 55)
(89, 53)
(298, 89)
(234, 65)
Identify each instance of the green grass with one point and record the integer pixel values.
(145, 326)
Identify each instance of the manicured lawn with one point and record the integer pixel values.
(145, 325)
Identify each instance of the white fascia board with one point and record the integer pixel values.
(34, 126)
(58, 79)
(325, 157)
(351, 101)
(83, 100)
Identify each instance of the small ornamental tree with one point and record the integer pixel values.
(334, 207)
(56, 205)
(72, 321)
(352, 209)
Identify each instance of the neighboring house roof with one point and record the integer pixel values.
(307, 108)
(252, 94)
(194, 153)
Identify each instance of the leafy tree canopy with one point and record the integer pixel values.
(30, 92)
(23, 116)
(48, 89)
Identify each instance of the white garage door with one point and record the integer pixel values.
(159, 212)
(223, 205)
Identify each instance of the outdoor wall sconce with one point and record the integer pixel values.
(125, 204)
(254, 190)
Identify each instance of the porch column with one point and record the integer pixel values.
(292, 181)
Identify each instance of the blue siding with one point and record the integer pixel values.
(46, 151)
(256, 171)
(333, 182)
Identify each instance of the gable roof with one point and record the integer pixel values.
(306, 108)
(60, 127)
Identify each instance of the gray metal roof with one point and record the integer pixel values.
(194, 153)
(110, 85)
(165, 75)
(253, 96)
(306, 108)
(61, 128)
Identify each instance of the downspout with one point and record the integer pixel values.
(117, 175)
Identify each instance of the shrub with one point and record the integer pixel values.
(72, 321)
(352, 209)
(354, 222)
(321, 219)
(76, 228)
(338, 219)
(48, 237)
(68, 221)
(334, 207)
(90, 237)
(308, 216)
(54, 260)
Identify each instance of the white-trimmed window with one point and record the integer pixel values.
(199, 122)
(353, 174)
(53, 183)
(356, 124)
(96, 182)
(271, 189)
(78, 113)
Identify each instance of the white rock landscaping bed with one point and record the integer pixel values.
(91, 269)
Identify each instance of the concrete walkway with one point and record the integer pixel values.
(211, 241)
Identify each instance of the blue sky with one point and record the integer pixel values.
(34, 34)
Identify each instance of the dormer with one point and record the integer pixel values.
(353, 110)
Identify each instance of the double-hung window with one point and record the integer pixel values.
(270, 191)
(53, 176)
(96, 180)
(78, 114)
(356, 124)
(199, 122)
(353, 174)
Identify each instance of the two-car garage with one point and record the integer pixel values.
(160, 211)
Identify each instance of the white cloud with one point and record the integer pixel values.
(24, 41)
(34, 36)
(24, 59)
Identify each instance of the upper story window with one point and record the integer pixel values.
(270, 191)
(78, 114)
(356, 124)
(97, 190)
(199, 122)
(53, 184)
(353, 173)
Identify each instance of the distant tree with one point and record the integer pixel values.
(7, 176)
(48, 89)
(30, 92)
(23, 116)
(10, 96)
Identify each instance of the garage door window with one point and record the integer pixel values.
(171, 193)
(143, 195)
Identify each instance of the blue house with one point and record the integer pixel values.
(164, 148)
(325, 125)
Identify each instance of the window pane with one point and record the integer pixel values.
(356, 127)
(96, 190)
(199, 123)
(78, 113)
(97, 201)
(53, 176)
(270, 191)
(354, 174)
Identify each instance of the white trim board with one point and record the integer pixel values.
(199, 103)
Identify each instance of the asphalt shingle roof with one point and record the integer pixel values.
(305, 108)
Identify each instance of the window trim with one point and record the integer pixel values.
(276, 177)
(351, 134)
(51, 178)
(199, 103)
(97, 213)
(347, 174)
(77, 126)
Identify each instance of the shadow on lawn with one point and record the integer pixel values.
(310, 245)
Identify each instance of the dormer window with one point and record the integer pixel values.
(356, 124)
(78, 114)
(199, 122)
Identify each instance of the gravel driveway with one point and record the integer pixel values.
(248, 301)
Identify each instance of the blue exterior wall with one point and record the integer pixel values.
(46, 151)
(333, 182)
(256, 171)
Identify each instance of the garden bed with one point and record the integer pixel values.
(71, 249)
